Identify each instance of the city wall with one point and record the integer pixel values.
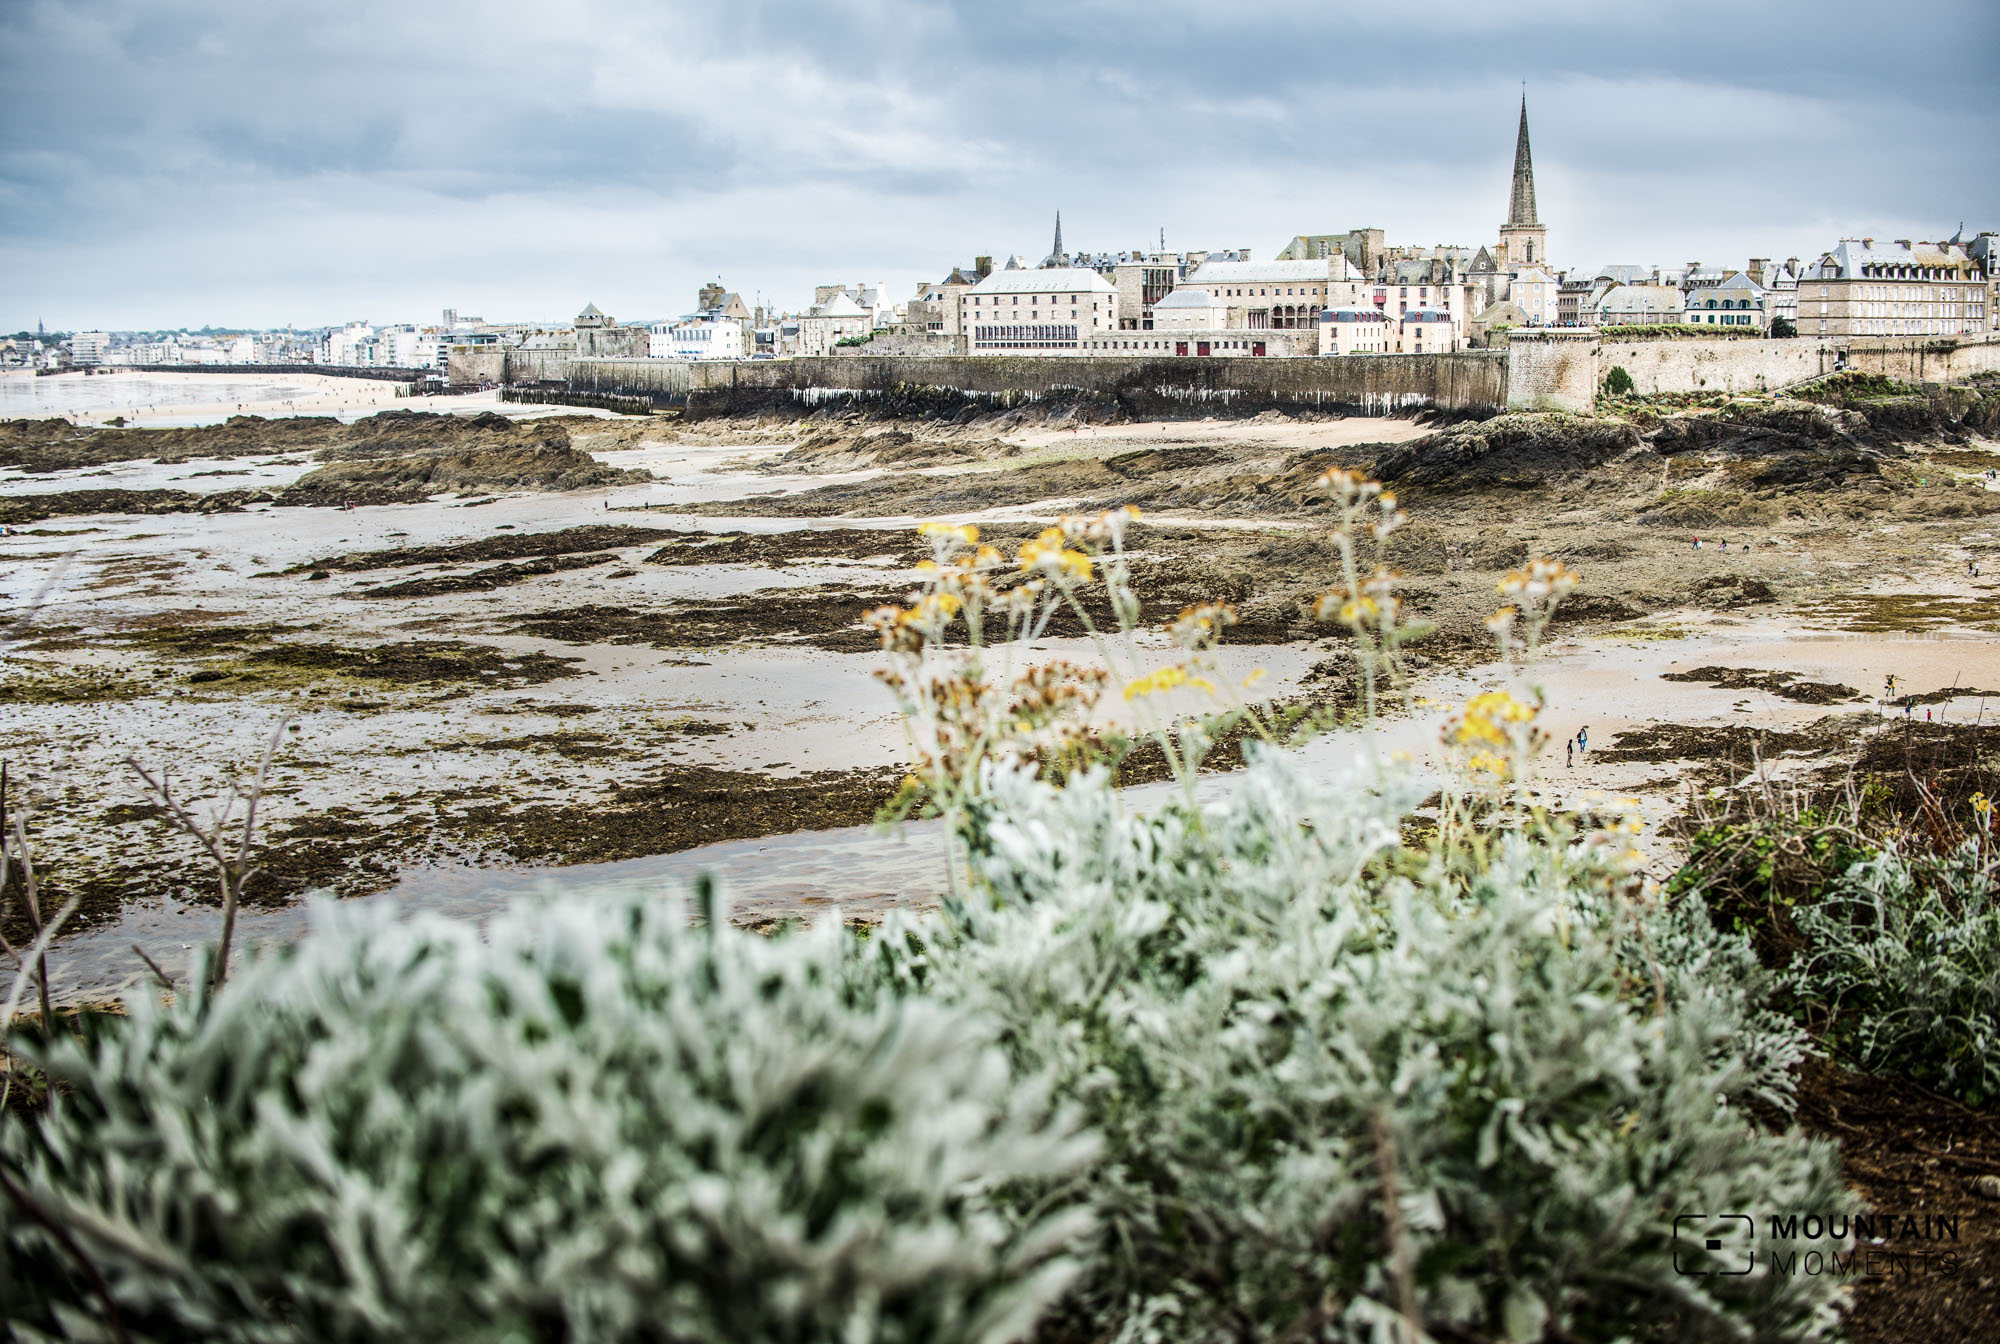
(1551, 370)
(1557, 369)
(1142, 387)
(384, 375)
(1721, 365)
(1561, 369)
(1935, 360)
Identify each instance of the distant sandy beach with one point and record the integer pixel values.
(172, 400)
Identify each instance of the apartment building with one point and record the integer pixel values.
(1866, 288)
(1056, 310)
(1277, 295)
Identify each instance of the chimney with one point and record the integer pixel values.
(1243, 254)
(1757, 265)
(1791, 265)
(983, 265)
(1903, 243)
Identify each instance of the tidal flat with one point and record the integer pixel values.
(517, 672)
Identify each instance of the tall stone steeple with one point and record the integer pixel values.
(1521, 210)
(1523, 240)
(1057, 251)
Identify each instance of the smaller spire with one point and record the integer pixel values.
(1057, 250)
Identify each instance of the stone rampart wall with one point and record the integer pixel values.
(478, 365)
(1551, 370)
(1748, 364)
(1145, 388)
(1935, 360)
(380, 375)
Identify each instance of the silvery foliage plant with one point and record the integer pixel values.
(1903, 953)
(592, 1123)
(1340, 1095)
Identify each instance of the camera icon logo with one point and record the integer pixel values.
(1718, 1243)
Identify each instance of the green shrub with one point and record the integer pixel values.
(1618, 382)
(593, 1123)
(1274, 1016)
(1902, 953)
(1783, 328)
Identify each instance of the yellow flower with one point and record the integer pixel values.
(1165, 679)
(964, 532)
(1256, 675)
(1981, 804)
(1049, 554)
(1501, 705)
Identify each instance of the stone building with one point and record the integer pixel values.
(1189, 309)
(1505, 315)
(1363, 248)
(1536, 292)
(1276, 295)
(1051, 311)
(834, 319)
(1732, 303)
(1427, 331)
(1356, 331)
(1143, 279)
(598, 336)
(1985, 251)
(935, 307)
(1636, 305)
(1863, 288)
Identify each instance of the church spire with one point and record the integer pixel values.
(1056, 251)
(1521, 209)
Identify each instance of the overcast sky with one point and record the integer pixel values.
(180, 162)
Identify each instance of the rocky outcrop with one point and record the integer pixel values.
(1527, 450)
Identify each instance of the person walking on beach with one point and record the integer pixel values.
(1569, 754)
(1583, 739)
(1697, 543)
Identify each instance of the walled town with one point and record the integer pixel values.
(1471, 761)
(1320, 294)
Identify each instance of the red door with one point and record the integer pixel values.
(1180, 347)
(1201, 347)
(1256, 347)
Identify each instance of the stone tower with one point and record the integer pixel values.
(1523, 240)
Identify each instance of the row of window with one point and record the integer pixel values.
(1180, 347)
(1016, 336)
(1017, 300)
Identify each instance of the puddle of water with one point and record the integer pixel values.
(857, 870)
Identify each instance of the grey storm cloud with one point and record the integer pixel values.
(180, 162)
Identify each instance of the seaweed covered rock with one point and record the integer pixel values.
(415, 456)
(1521, 451)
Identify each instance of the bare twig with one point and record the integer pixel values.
(1392, 1221)
(32, 1207)
(166, 981)
(233, 873)
(37, 953)
(31, 901)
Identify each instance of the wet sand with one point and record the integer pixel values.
(472, 714)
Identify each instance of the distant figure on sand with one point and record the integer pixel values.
(1583, 738)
